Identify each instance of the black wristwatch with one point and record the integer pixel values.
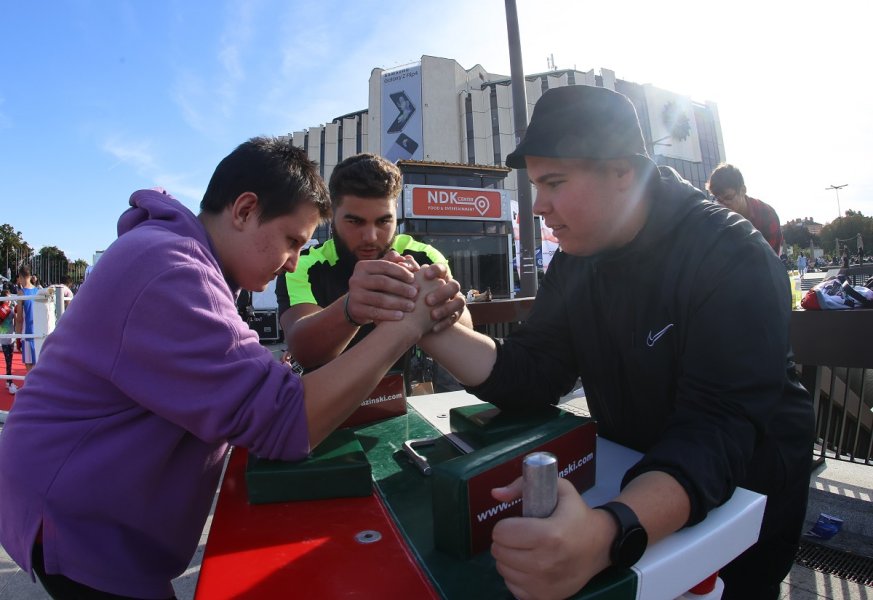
(632, 539)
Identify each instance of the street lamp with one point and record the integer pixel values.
(836, 189)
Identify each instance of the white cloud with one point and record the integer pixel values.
(208, 95)
(191, 96)
(140, 157)
(234, 40)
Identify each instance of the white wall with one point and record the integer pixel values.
(350, 128)
(331, 146)
(374, 112)
(440, 115)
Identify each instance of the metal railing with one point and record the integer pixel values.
(43, 322)
(843, 419)
(834, 349)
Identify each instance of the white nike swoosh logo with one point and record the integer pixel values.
(650, 341)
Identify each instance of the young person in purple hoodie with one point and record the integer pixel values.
(112, 453)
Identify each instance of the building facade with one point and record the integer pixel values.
(450, 126)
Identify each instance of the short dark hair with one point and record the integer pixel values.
(279, 173)
(724, 177)
(366, 176)
(24, 271)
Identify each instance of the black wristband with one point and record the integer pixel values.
(348, 316)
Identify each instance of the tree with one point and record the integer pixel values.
(846, 229)
(77, 270)
(51, 265)
(13, 249)
(795, 234)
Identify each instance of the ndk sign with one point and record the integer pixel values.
(426, 201)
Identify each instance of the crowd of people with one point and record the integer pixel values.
(804, 264)
(151, 375)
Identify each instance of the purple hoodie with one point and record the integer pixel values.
(115, 445)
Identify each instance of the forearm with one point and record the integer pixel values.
(335, 390)
(468, 355)
(318, 337)
(466, 319)
(659, 501)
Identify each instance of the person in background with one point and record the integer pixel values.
(727, 186)
(648, 275)
(66, 282)
(24, 321)
(7, 328)
(345, 285)
(111, 454)
(802, 264)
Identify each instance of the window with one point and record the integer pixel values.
(476, 261)
(471, 142)
(495, 126)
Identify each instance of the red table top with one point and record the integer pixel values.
(303, 549)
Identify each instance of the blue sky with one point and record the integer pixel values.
(100, 98)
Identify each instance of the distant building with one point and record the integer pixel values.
(807, 223)
(453, 127)
(812, 227)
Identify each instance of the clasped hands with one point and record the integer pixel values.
(388, 288)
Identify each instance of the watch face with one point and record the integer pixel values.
(630, 547)
(632, 539)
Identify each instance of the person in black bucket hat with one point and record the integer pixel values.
(581, 121)
(648, 303)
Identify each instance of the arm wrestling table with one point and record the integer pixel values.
(381, 546)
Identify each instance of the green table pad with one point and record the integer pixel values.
(407, 495)
(336, 468)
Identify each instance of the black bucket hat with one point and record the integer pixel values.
(581, 121)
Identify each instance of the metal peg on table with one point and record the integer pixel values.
(540, 487)
(417, 459)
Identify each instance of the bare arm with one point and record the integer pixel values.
(18, 323)
(467, 354)
(335, 390)
(316, 335)
(379, 290)
(555, 557)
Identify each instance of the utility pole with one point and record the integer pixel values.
(836, 189)
(527, 260)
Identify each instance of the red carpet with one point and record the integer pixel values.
(17, 369)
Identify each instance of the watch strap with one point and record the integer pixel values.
(623, 514)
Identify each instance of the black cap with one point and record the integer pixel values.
(581, 121)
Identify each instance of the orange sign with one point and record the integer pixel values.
(458, 203)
